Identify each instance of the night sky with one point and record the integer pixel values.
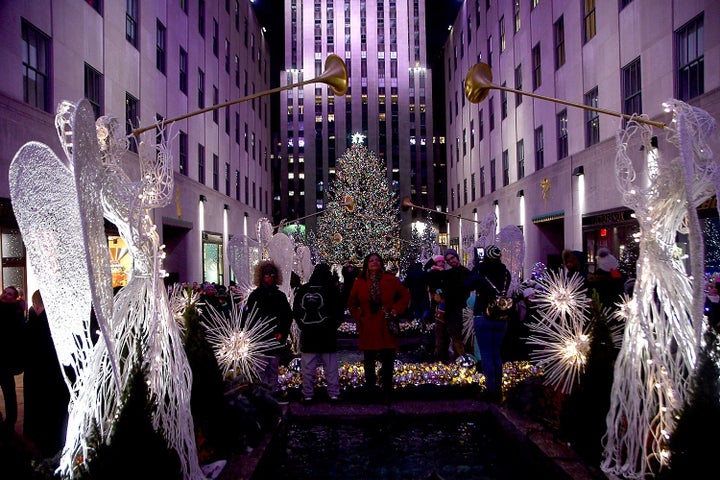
(439, 14)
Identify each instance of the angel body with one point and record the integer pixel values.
(662, 334)
(62, 203)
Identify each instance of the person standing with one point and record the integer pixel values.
(419, 297)
(377, 294)
(12, 319)
(490, 278)
(269, 304)
(46, 394)
(456, 294)
(318, 311)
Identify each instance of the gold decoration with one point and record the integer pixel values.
(545, 185)
(337, 237)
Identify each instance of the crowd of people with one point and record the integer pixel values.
(436, 294)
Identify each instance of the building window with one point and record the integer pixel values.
(201, 18)
(94, 89)
(503, 103)
(36, 67)
(501, 26)
(215, 40)
(237, 185)
(592, 119)
(183, 157)
(183, 71)
(690, 59)
(516, 15)
(201, 89)
(131, 22)
(227, 179)
(216, 100)
(505, 168)
(482, 181)
(472, 134)
(489, 51)
(632, 88)
(465, 191)
(493, 180)
(237, 128)
(201, 163)
(518, 85)
(132, 114)
(539, 149)
(160, 36)
(537, 70)
(216, 172)
(491, 114)
(559, 35)
(520, 156)
(589, 30)
(481, 125)
(472, 187)
(562, 131)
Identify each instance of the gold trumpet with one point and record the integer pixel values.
(348, 201)
(406, 204)
(335, 76)
(478, 83)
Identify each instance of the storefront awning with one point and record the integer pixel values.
(548, 217)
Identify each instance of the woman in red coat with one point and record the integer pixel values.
(375, 294)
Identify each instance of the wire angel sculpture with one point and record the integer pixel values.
(663, 330)
(60, 205)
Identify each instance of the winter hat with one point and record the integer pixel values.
(606, 261)
(438, 258)
(451, 251)
(493, 252)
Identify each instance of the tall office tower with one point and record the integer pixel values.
(388, 101)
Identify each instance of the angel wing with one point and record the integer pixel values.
(281, 250)
(303, 263)
(511, 243)
(59, 214)
(244, 254)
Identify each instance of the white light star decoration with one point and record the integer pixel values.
(358, 138)
(239, 348)
(561, 330)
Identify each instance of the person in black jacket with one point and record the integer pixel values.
(45, 391)
(490, 278)
(268, 304)
(318, 312)
(12, 319)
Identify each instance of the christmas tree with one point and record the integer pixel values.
(362, 213)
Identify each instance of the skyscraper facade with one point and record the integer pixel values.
(388, 104)
(549, 167)
(142, 62)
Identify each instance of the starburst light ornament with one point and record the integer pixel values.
(562, 330)
(239, 348)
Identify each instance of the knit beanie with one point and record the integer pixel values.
(451, 251)
(493, 252)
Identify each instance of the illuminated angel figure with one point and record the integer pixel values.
(71, 197)
(662, 335)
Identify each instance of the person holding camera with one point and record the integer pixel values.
(490, 279)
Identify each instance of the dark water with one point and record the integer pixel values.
(388, 448)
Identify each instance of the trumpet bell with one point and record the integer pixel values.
(406, 204)
(335, 75)
(478, 82)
